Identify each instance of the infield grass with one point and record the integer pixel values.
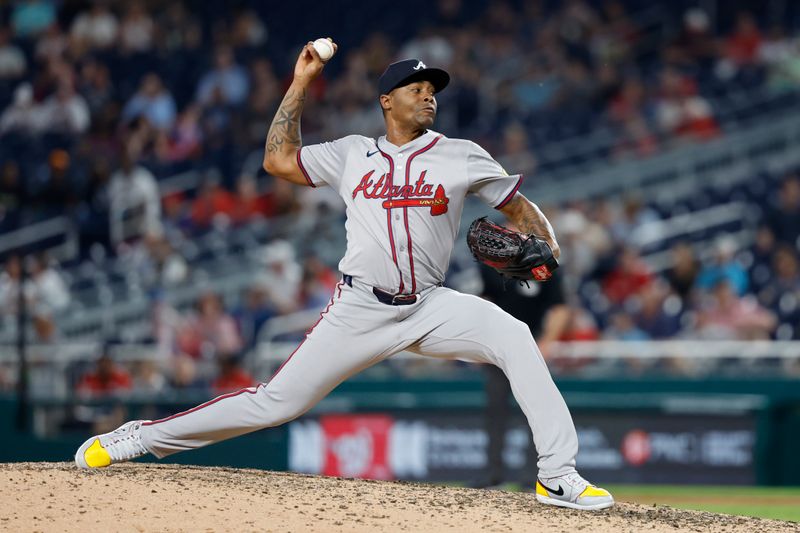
(782, 503)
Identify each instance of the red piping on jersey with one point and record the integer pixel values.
(249, 390)
(390, 177)
(508, 198)
(405, 211)
(303, 169)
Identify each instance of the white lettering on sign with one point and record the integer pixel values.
(728, 448)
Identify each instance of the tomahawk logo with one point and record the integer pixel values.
(420, 66)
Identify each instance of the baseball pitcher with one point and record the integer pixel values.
(404, 194)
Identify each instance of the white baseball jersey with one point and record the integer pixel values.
(404, 203)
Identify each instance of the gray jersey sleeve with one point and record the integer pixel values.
(488, 180)
(324, 163)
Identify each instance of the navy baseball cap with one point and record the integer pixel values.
(408, 71)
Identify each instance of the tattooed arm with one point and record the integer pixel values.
(528, 218)
(283, 137)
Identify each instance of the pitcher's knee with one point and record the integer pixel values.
(515, 332)
(278, 411)
(513, 338)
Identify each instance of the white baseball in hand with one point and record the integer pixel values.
(324, 48)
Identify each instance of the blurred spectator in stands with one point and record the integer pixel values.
(626, 109)
(52, 44)
(174, 24)
(257, 116)
(148, 378)
(22, 115)
(282, 198)
(157, 263)
(780, 55)
(136, 31)
(9, 288)
(140, 138)
(776, 47)
(94, 215)
(37, 304)
(350, 114)
(106, 379)
(515, 154)
(184, 141)
(583, 242)
(782, 293)
(319, 282)
(227, 77)
(724, 265)
(634, 215)
(96, 86)
(64, 112)
(740, 49)
(184, 376)
(659, 313)
(248, 31)
(153, 102)
(725, 315)
(212, 202)
(760, 271)
(249, 203)
(7, 381)
(783, 216)
(575, 94)
(696, 42)
(216, 121)
(95, 29)
(622, 327)
(681, 111)
(135, 202)
(636, 139)
(12, 195)
(683, 271)
(12, 60)
(210, 331)
(232, 377)
(30, 17)
(629, 277)
(629, 102)
(430, 44)
(56, 185)
(165, 323)
(50, 292)
(256, 309)
(282, 275)
(176, 221)
(580, 325)
(576, 324)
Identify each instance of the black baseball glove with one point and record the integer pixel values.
(513, 254)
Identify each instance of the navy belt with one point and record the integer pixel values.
(386, 297)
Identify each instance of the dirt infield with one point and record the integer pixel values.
(148, 497)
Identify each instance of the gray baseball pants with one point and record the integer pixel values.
(356, 331)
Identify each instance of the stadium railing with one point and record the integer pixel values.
(52, 366)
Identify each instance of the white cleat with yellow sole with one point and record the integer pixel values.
(571, 490)
(122, 444)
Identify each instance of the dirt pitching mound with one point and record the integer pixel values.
(149, 497)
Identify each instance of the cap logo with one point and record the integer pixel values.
(420, 65)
